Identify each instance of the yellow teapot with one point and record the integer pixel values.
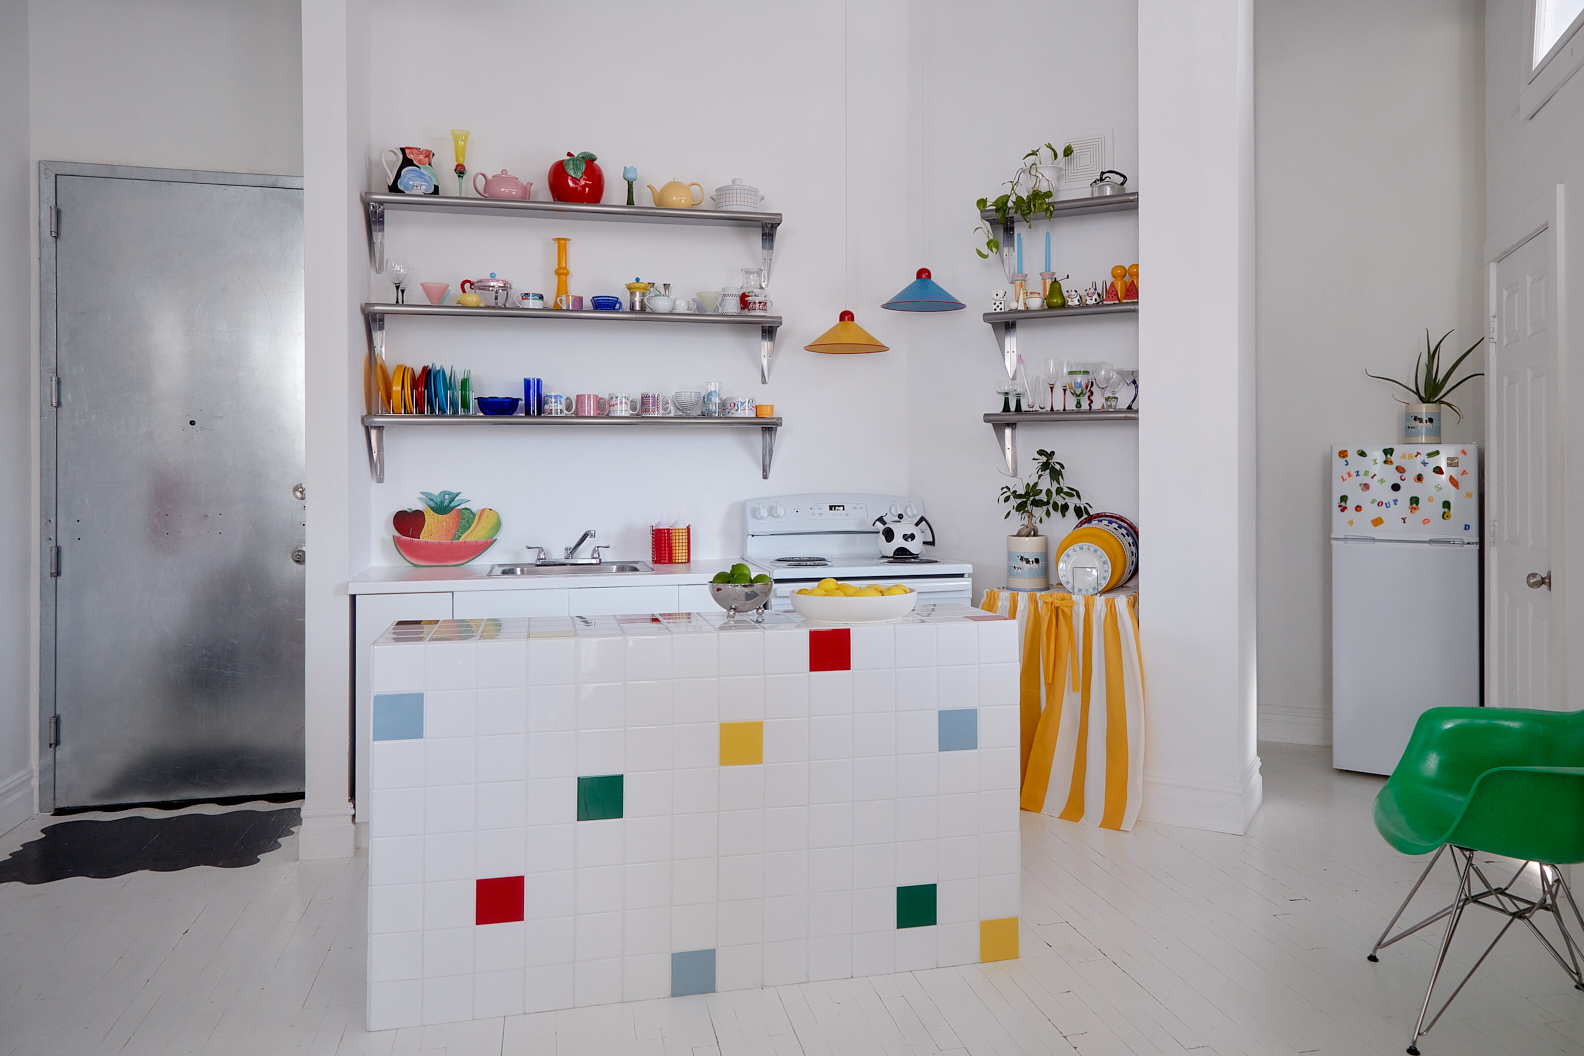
(676, 195)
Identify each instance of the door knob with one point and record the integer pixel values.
(1536, 580)
(300, 556)
(299, 492)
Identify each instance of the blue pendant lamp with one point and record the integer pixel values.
(923, 294)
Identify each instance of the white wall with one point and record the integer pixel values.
(1371, 185)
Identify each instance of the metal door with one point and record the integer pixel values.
(1522, 478)
(172, 614)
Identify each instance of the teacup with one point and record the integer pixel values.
(590, 405)
(556, 405)
(619, 405)
(570, 302)
(606, 303)
(531, 300)
(684, 305)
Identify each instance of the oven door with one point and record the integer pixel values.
(932, 591)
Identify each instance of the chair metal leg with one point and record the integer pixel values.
(1465, 872)
(1381, 942)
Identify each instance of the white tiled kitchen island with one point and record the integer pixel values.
(581, 810)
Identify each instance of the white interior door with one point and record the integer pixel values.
(1523, 491)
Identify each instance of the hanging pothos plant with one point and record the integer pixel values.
(1043, 496)
(1030, 193)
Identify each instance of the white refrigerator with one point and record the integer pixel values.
(1405, 609)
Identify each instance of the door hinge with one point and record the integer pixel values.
(54, 731)
(55, 222)
(54, 561)
(54, 390)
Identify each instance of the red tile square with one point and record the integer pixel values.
(830, 650)
(498, 900)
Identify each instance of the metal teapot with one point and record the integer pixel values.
(1103, 186)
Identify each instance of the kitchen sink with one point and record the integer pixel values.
(605, 568)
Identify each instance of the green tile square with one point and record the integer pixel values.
(916, 906)
(601, 797)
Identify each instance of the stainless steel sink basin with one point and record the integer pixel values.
(606, 568)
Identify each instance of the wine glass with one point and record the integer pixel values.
(1053, 378)
(1105, 377)
(396, 271)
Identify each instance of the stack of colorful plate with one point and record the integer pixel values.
(1105, 542)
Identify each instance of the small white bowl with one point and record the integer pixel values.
(842, 611)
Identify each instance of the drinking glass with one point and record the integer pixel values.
(396, 271)
(1053, 378)
(1078, 383)
(1105, 377)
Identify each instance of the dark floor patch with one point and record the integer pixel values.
(103, 849)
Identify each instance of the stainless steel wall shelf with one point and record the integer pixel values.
(374, 426)
(1005, 324)
(1070, 207)
(1006, 425)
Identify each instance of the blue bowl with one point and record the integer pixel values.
(498, 404)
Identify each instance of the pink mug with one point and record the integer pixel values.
(570, 301)
(435, 291)
(591, 405)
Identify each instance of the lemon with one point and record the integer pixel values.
(826, 584)
(805, 590)
(868, 592)
(848, 589)
(896, 589)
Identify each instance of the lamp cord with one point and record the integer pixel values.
(846, 165)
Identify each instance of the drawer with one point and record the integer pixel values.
(482, 604)
(615, 601)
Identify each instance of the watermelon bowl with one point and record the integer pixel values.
(439, 553)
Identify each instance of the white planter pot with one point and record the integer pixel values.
(1422, 423)
(1028, 560)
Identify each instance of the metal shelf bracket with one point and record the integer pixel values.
(767, 439)
(767, 233)
(1006, 437)
(1006, 337)
(375, 217)
(374, 436)
(767, 340)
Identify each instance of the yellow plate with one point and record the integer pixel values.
(1108, 545)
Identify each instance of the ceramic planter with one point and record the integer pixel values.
(1422, 423)
(1028, 562)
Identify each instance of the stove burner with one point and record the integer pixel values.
(909, 559)
(802, 562)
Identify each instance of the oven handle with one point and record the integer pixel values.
(923, 586)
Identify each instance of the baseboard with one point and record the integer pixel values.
(1294, 724)
(327, 832)
(16, 799)
(1204, 804)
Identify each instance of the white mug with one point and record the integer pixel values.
(556, 405)
(619, 405)
(730, 302)
(654, 405)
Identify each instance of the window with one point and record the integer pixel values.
(1552, 21)
(1554, 50)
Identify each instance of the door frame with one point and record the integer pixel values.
(1543, 217)
(49, 224)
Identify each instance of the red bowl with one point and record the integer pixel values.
(439, 553)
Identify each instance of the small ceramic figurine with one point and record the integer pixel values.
(1092, 294)
(1073, 294)
(1130, 291)
(630, 174)
(1054, 297)
(1113, 294)
(1118, 284)
(998, 300)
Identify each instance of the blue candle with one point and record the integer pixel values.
(1020, 252)
(1047, 251)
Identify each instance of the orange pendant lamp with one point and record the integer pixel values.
(845, 338)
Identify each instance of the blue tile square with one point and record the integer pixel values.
(398, 716)
(692, 972)
(959, 729)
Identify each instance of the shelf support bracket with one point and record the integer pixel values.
(374, 436)
(1006, 337)
(767, 340)
(767, 233)
(1006, 438)
(376, 235)
(767, 438)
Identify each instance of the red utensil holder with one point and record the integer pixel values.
(670, 546)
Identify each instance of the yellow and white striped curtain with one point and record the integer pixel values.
(1082, 704)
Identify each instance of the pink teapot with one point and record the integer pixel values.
(503, 186)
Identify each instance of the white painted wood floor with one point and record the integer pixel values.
(1160, 941)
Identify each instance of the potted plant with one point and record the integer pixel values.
(1039, 498)
(1031, 190)
(1430, 389)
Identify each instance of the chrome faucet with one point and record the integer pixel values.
(571, 551)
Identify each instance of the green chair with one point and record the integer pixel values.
(1490, 781)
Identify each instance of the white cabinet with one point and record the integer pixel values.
(615, 601)
(482, 604)
(695, 597)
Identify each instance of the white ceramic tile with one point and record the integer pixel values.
(957, 858)
(998, 686)
(998, 643)
(741, 832)
(600, 659)
(502, 805)
(449, 761)
(830, 825)
(552, 708)
(396, 908)
(999, 852)
(915, 645)
(739, 967)
(693, 656)
(448, 904)
(786, 696)
(998, 896)
(830, 869)
(742, 698)
(696, 789)
(830, 957)
(830, 736)
(694, 880)
(695, 699)
(600, 752)
(548, 987)
(649, 703)
(596, 982)
(548, 941)
(647, 794)
(874, 865)
(498, 994)
(598, 935)
(693, 835)
(741, 876)
(450, 665)
(785, 962)
(398, 956)
(998, 726)
(874, 690)
(449, 712)
(398, 669)
(601, 705)
(874, 734)
(741, 788)
(830, 693)
(396, 860)
(500, 711)
(874, 777)
(786, 651)
(831, 781)
(649, 657)
(873, 648)
(873, 909)
(503, 757)
(874, 821)
(786, 740)
(551, 661)
(916, 689)
(998, 811)
(915, 949)
(646, 976)
(502, 664)
(874, 953)
(956, 643)
(552, 754)
(786, 784)
(695, 744)
(998, 768)
(917, 731)
(600, 842)
(647, 839)
(786, 873)
(740, 922)
(957, 943)
(693, 927)
(448, 999)
(395, 1004)
(550, 848)
(449, 856)
(551, 895)
(500, 852)
(786, 828)
(449, 808)
(396, 764)
(957, 901)
(830, 913)
(648, 748)
(741, 652)
(918, 818)
(917, 862)
(918, 775)
(552, 800)
(959, 772)
(957, 687)
(448, 951)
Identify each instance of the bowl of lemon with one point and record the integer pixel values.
(739, 590)
(831, 602)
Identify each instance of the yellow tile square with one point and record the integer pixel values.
(741, 743)
(998, 939)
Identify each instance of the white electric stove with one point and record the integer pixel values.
(802, 539)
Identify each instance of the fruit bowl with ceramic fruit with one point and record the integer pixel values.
(444, 533)
(740, 591)
(835, 603)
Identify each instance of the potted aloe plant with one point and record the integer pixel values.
(1040, 497)
(1430, 389)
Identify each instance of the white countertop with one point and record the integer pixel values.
(409, 579)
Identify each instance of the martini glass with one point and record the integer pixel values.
(396, 271)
